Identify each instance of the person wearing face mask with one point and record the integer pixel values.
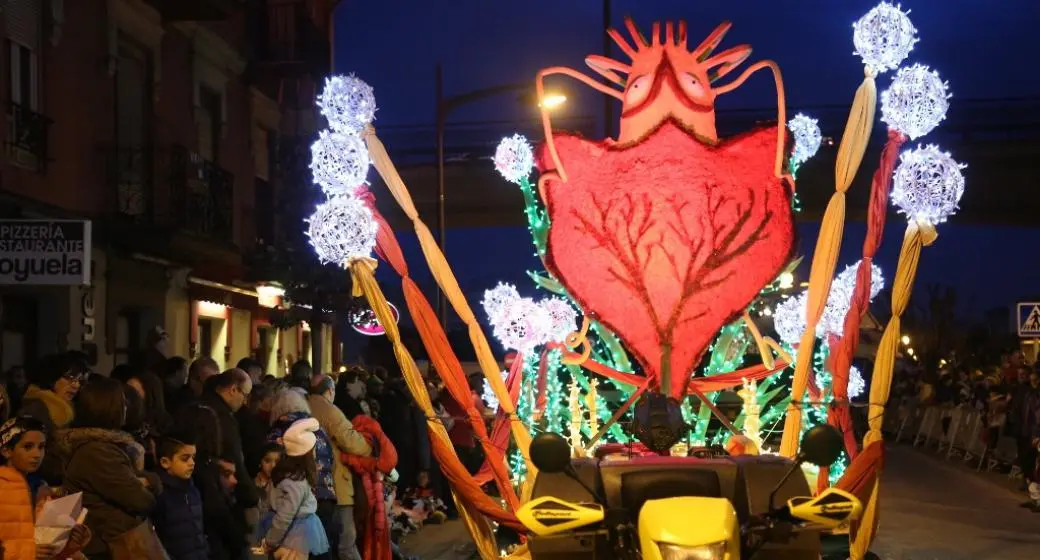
(55, 383)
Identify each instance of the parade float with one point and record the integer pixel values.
(661, 247)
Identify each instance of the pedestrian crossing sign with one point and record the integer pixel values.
(1029, 320)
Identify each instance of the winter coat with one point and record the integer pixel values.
(323, 454)
(345, 439)
(178, 519)
(376, 541)
(100, 463)
(16, 516)
(231, 447)
(223, 520)
(293, 499)
(55, 413)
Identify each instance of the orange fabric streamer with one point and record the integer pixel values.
(500, 430)
(455, 381)
(843, 350)
(861, 477)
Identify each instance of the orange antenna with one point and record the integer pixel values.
(608, 68)
(655, 34)
(708, 45)
(681, 39)
(726, 61)
(637, 36)
(621, 42)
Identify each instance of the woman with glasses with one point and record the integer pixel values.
(54, 383)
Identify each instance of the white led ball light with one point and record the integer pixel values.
(339, 162)
(789, 319)
(807, 138)
(916, 102)
(496, 299)
(342, 229)
(563, 317)
(522, 325)
(928, 185)
(514, 158)
(884, 37)
(348, 103)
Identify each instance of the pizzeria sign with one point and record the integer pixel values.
(45, 252)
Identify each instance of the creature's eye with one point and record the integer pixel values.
(691, 85)
(638, 90)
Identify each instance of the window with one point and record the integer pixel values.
(24, 76)
(210, 121)
(264, 211)
(23, 22)
(132, 93)
(128, 328)
(205, 338)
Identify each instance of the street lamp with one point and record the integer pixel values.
(905, 340)
(444, 106)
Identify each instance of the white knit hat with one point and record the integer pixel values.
(299, 439)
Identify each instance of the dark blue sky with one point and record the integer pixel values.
(984, 52)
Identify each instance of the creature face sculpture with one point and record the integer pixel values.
(668, 233)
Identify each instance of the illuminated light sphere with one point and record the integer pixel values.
(916, 102)
(522, 325)
(342, 229)
(514, 158)
(339, 162)
(496, 299)
(785, 281)
(789, 319)
(488, 395)
(348, 103)
(884, 37)
(563, 317)
(807, 138)
(856, 383)
(843, 286)
(928, 185)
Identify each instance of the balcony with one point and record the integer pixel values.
(201, 196)
(131, 177)
(27, 137)
(195, 10)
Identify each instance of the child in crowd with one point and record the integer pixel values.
(422, 498)
(272, 454)
(178, 510)
(292, 525)
(23, 443)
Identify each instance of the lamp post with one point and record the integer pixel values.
(444, 106)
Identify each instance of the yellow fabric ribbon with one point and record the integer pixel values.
(362, 273)
(450, 287)
(917, 236)
(825, 258)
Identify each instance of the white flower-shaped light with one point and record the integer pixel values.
(789, 319)
(341, 229)
(840, 298)
(348, 103)
(488, 395)
(884, 37)
(563, 317)
(339, 162)
(856, 382)
(514, 158)
(807, 138)
(916, 102)
(496, 299)
(522, 325)
(928, 185)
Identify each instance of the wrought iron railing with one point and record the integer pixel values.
(201, 195)
(131, 178)
(28, 136)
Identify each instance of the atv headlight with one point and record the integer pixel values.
(715, 551)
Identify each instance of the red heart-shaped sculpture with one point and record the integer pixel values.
(666, 240)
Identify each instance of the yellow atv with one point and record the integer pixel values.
(682, 508)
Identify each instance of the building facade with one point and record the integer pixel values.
(161, 122)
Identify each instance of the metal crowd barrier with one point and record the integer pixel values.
(954, 432)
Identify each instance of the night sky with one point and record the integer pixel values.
(983, 52)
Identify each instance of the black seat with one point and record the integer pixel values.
(640, 486)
